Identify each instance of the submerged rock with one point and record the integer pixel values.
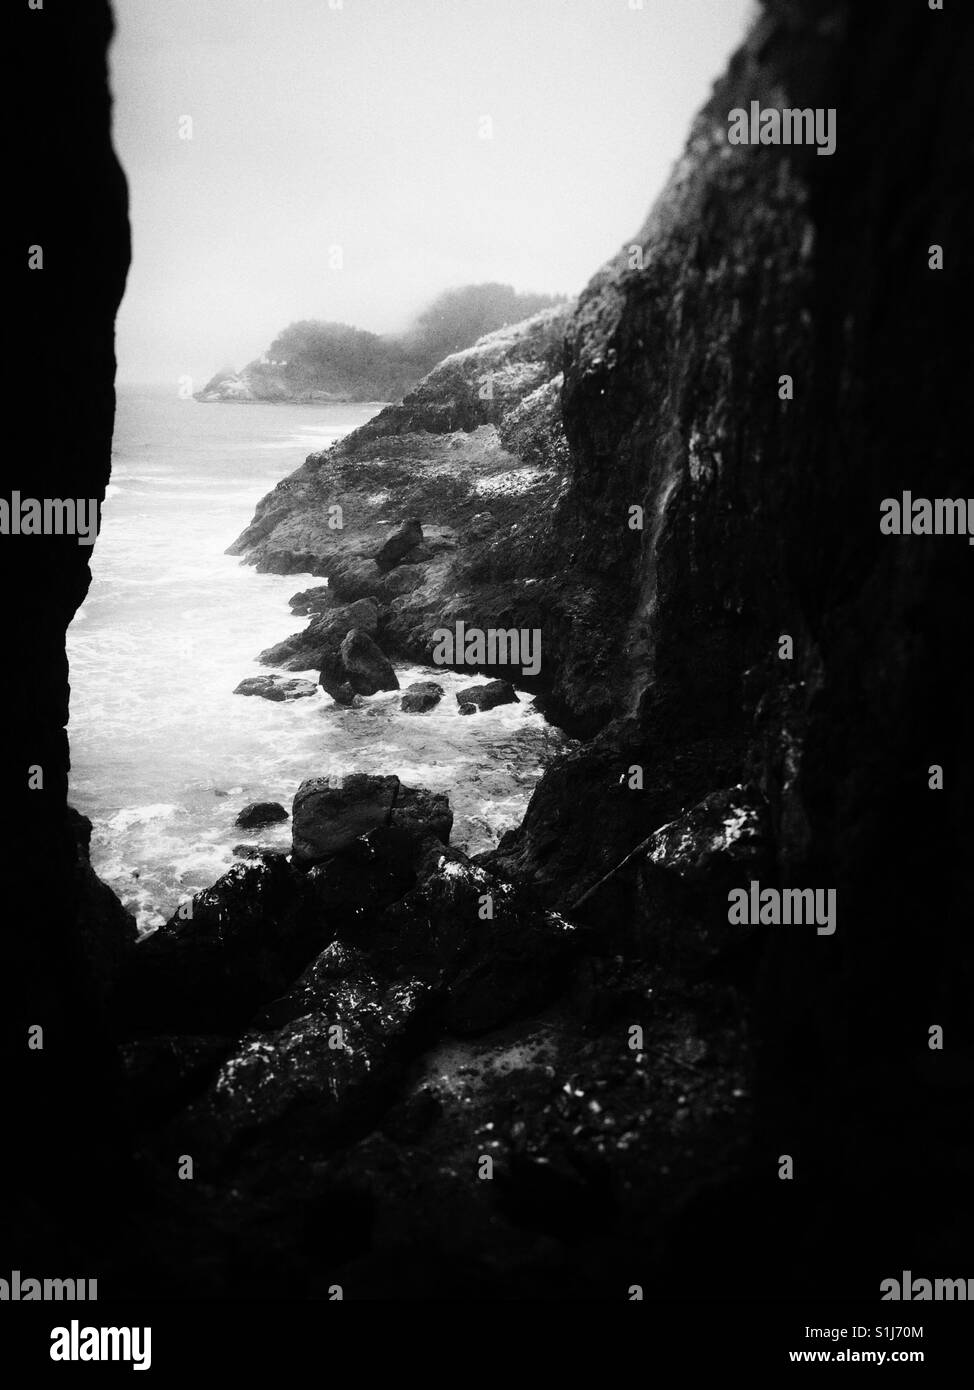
(473, 699)
(420, 697)
(260, 813)
(276, 688)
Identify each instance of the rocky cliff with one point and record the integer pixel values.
(714, 755)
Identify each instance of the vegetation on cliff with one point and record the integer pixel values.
(318, 361)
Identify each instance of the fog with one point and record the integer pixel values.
(349, 161)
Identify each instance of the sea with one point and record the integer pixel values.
(163, 754)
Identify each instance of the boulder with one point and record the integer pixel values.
(321, 1076)
(358, 667)
(260, 813)
(420, 697)
(329, 815)
(410, 534)
(313, 600)
(276, 688)
(476, 698)
(304, 649)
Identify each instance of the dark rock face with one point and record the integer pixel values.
(493, 952)
(210, 966)
(357, 667)
(304, 649)
(107, 932)
(330, 815)
(260, 813)
(276, 688)
(162, 1074)
(407, 538)
(421, 697)
(474, 698)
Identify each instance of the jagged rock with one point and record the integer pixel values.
(304, 649)
(420, 697)
(490, 968)
(276, 688)
(328, 816)
(473, 699)
(260, 813)
(358, 667)
(687, 868)
(409, 535)
(314, 600)
(408, 463)
(320, 1076)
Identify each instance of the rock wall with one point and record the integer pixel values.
(64, 930)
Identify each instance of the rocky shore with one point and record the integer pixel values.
(555, 1070)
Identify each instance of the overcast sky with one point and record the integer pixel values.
(361, 125)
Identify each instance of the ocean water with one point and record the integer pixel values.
(163, 754)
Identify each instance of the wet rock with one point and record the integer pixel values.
(276, 688)
(686, 871)
(329, 815)
(420, 697)
(475, 698)
(317, 1079)
(304, 649)
(257, 852)
(409, 535)
(358, 667)
(491, 949)
(260, 813)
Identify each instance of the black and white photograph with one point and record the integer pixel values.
(488, 541)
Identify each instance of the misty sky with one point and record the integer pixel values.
(317, 126)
